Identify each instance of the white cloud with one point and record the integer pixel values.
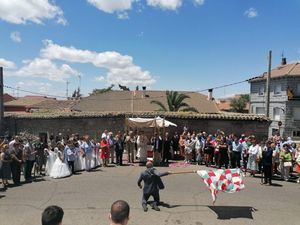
(16, 36)
(199, 2)
(45, 68)
(7, 64)
(22, 11)
(165, 4)
(121, 68)
(99, 78)
(122, 15)
(251, 13)
(111, 6)
(40, 87)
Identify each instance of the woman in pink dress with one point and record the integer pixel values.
(104, 146)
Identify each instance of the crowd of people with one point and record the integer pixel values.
(61, 156)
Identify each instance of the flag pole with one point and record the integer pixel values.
(182, 172)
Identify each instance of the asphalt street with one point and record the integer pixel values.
(86, 199)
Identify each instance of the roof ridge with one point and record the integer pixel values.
(295, 64)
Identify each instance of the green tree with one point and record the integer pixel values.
(175, 102)
(103, 90)
(239, 104)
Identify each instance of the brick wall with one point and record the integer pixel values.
(94, 126)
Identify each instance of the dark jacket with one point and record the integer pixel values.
(152, 180)
(267, 157)
(157, 144)
(119, 145)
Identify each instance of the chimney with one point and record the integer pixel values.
(144, 91)
(283, 61)
(1, 102)
(210, 94)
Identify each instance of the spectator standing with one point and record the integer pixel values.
(119, 148)
(29, 157)
(286, 157)
(267, 155)
(88, 148)
(236, 153)
(5, 170)
(16, 163)
(104, 146)
(254, 149)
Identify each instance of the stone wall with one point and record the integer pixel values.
(93, 126)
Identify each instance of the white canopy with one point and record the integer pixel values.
(148, 122)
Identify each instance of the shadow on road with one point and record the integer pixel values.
(2, 196)
(231, 212)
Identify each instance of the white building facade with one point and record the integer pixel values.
(284, 99)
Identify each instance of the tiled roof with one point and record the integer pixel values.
(8, 98)
(292, 69)
(121, 101)
(54, 105)
(27, 101)
(179, 115)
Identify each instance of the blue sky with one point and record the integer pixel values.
(163, 44)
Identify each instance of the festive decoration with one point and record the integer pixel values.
(228, 180)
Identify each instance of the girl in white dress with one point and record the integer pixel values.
(50, 161)
(60, 169)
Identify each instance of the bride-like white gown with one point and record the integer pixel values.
(50, 161)
(59, 169)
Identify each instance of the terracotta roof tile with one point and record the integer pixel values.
(121, 101)
(180, 115)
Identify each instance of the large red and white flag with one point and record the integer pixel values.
(228, 180)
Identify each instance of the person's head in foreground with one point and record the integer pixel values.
(119, 213)
(52, 215)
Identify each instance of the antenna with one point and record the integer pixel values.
(79, 79)
(67, 90)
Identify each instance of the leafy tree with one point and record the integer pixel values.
(103, 90)
(239, 104)
(175, 102)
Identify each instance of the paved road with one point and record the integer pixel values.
(86, 200)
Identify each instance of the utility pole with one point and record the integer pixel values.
(67, 90)
(1, 102)
(268, 85)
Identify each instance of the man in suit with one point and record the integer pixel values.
(152, 184)
(157, 143)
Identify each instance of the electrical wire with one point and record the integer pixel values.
(135, 98)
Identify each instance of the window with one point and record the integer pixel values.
(261, 90)
(298, 89)
(296, 113)
(260, 110)
(296, 133)
(276, 114)
(277, 89)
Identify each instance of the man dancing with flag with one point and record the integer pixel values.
(152, 185)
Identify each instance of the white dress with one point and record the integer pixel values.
(78, 161)
(142, 148)
(50, 161)
(60, 169)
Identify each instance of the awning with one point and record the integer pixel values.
(148, 122)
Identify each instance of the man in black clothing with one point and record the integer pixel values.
(152, 184)
(267, 156)
(119, 149)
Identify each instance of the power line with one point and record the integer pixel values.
(34, 93)
(139, 98)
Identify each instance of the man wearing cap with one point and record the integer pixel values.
(152, 184)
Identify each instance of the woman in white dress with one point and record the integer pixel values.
(253, 156)
(51, 157)
(60, 169)
(142, 142)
